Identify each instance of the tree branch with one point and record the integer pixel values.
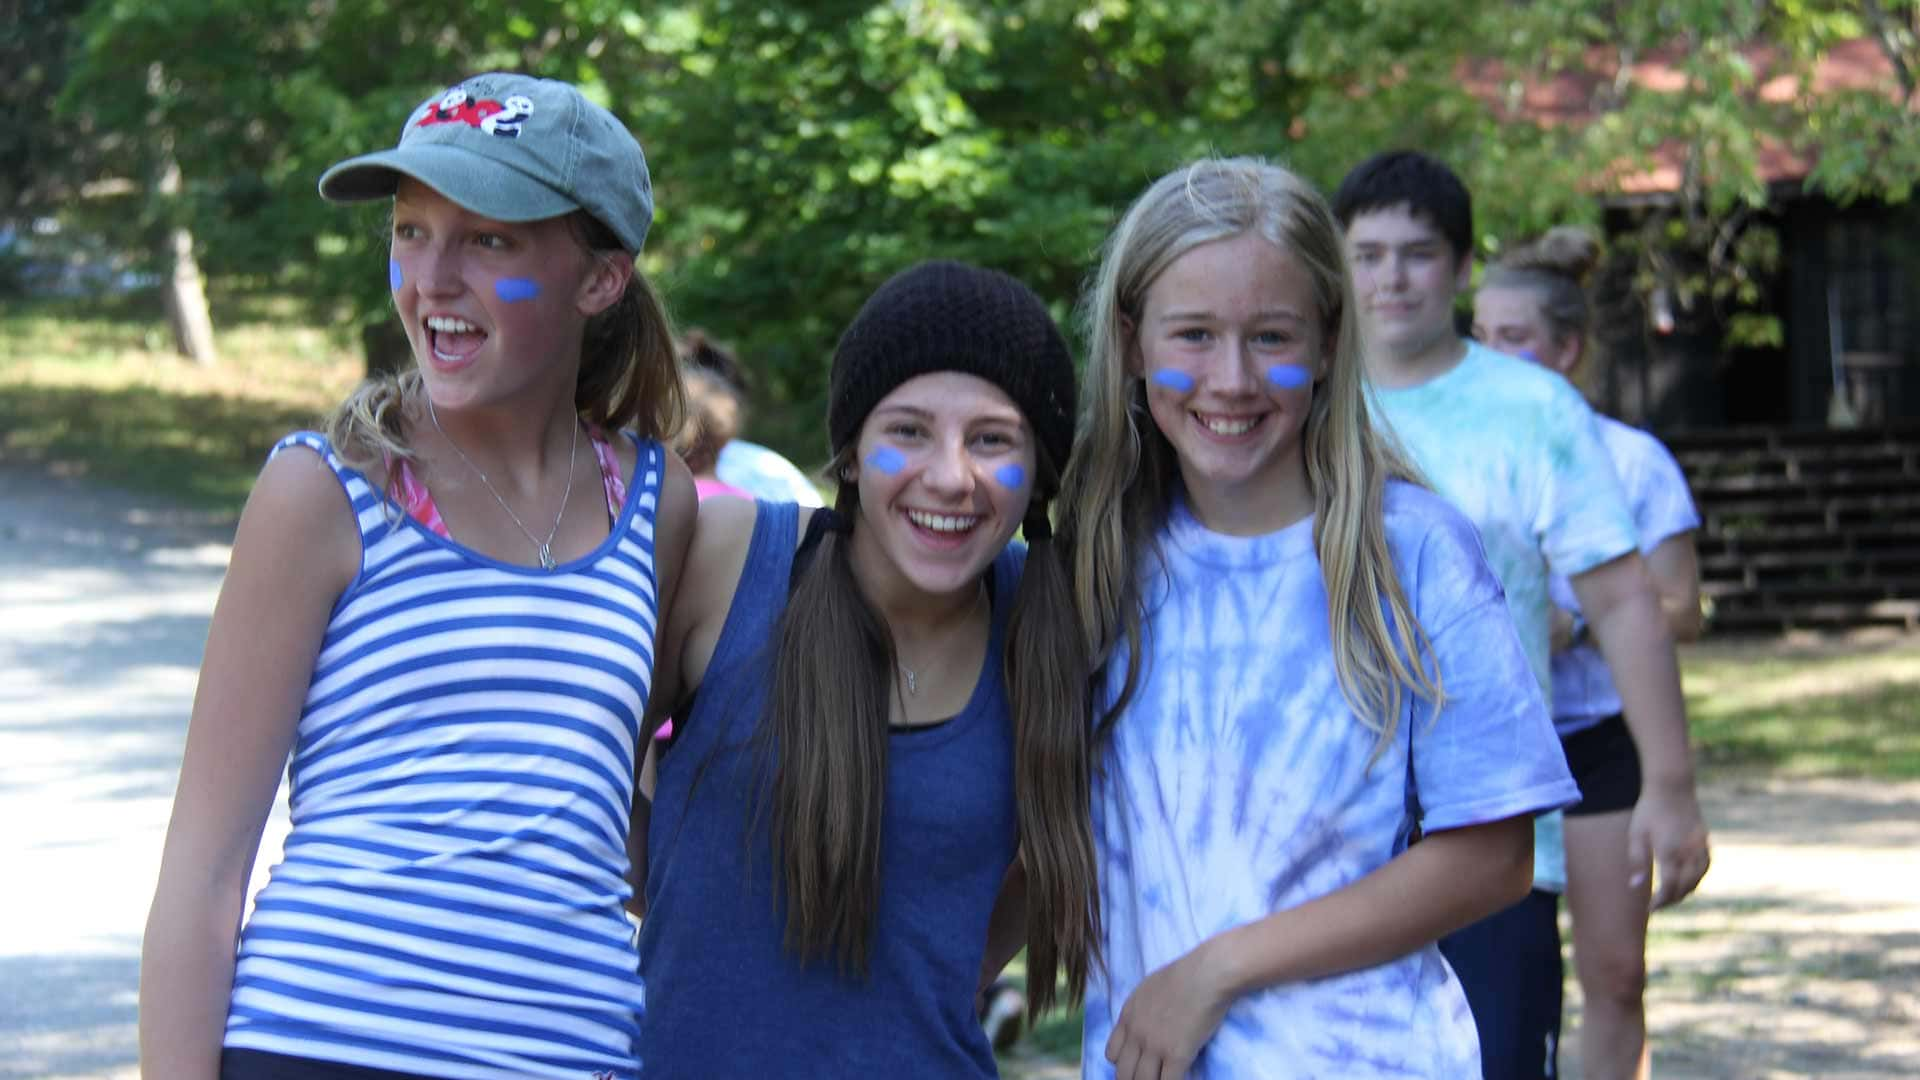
(1883, 33)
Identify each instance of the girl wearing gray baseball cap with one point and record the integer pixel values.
(443, 608)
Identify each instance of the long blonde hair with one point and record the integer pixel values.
(629, 376)
(1124, 472)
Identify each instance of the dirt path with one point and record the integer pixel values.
(1799, 958)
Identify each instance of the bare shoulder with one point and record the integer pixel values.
(720, 541)
(300, 517)
(723, 535)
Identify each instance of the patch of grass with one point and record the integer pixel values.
(95, 387)
(1057, 1035)
(1820, 713)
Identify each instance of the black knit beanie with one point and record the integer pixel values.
(948, 316)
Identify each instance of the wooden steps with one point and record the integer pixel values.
(1806, 529)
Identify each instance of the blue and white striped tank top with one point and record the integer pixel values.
(451, 901)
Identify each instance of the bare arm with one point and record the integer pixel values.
(1675, 570)
(1459, 876)
(1624, 615)
(294, 553)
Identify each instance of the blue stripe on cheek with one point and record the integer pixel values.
(1012, 477)
(515, 289)
(1173, 380)
(887, 460)
(395, 278)
(1289, 376)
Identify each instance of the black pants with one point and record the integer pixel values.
(1509, 965)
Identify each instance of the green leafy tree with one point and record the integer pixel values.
(803, 151)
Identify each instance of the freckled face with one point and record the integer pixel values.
(489, 306)
(1510, 320)
(1230, 342)
(945, 465)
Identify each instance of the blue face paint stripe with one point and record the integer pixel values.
(887, 460)
(1289, 376)
(515, 289)
(395, 278)
(1011, 476)
(1173, 379)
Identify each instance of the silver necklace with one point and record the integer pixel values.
(913, 678)
(544, 548)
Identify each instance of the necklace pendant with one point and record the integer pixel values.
(546, 558)
(913, 682)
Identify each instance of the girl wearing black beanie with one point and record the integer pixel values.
(876, 790)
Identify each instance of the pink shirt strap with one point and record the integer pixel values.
(417, 501)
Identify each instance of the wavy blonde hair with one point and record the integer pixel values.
(1123, 474)
(629, 375)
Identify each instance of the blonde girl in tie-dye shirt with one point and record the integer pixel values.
(1307, 664)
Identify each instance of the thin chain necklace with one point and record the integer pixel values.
(544, 548)
(913, 678)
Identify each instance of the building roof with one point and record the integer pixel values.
(1580, 95)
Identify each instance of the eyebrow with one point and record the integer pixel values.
(1014, 417)
(1198, 315)
(1368, 245)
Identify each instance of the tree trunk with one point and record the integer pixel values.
(186, 297)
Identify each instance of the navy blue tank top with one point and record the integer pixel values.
(724, 998)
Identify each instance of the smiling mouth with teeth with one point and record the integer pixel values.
(1225, 425)
(451, 338)
(945, 523)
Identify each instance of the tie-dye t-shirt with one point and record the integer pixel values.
(1583, 690)
(1238, 783)
(1514, 446)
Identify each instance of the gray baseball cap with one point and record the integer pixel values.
(513, 148)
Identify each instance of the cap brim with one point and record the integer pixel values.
(481, 184)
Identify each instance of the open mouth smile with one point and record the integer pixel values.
(1227, 427)
(944, 524)
(453, 340)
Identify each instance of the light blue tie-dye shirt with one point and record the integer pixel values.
(1238, 783)
(1583, 690)
(764, 474)
(1514, 446)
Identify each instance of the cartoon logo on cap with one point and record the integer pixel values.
(502, 118)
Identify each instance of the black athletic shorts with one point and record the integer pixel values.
(1605, 765)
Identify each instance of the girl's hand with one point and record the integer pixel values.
(1168, 1018)
(1667, 836)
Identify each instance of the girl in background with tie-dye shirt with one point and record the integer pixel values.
(1533, 303)
(1307, 664)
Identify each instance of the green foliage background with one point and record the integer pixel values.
(804, 151)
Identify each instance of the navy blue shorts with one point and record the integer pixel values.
(1509, 965)
(237, 1064)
